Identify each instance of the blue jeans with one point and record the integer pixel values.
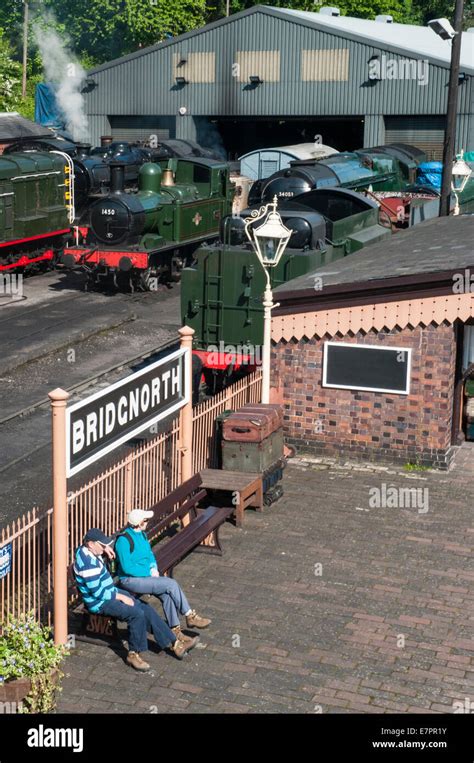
(141, 618)
(167, 590)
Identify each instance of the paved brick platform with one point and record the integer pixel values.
(323, 603)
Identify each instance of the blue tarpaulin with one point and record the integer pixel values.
(47, 111)
(430, 173)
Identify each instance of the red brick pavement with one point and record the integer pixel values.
(385, 627)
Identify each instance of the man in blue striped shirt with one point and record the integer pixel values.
(101, 596)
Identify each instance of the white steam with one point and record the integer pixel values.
(65, 74)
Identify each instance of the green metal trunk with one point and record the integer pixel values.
(252, 456)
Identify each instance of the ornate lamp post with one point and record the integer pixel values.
(460, 175)
(268, 241)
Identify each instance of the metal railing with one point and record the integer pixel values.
(145, 476)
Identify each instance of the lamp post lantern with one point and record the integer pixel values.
(443, 29)
(460, 175)
(268, 241)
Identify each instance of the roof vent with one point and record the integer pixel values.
(328, 10)
(384, 19)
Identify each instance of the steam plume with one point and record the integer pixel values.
(65, 73)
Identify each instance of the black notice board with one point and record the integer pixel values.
(367, 367)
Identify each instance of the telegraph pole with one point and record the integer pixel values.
(450, 135)
(25, 48)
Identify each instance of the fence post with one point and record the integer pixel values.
(59, 399)
(186, 415)
(128, 487)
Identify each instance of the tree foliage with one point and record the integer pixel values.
(101, 30)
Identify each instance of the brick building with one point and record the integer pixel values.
(411, 300)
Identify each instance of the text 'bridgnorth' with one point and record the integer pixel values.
(130, 406)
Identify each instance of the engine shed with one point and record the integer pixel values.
(273, 77)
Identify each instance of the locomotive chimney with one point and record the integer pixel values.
(83, 149)
(117, 177)
(105, 140)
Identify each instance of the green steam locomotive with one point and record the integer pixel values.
(139, 239)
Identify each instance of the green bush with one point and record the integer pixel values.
(28, 651)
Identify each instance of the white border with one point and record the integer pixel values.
(141, 427)
(368, 347)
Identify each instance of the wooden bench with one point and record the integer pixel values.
(92, 627)
(204, 524)
(200, 533)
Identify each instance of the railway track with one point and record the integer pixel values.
(98, 381)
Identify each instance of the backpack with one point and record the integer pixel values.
(129, 537)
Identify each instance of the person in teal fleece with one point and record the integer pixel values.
(138, 572)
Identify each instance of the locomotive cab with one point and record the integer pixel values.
(307, 225)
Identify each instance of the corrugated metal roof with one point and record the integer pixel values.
(299, 150)
(438, 245)
(415, 40)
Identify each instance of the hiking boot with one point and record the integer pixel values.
(134, 659)
(180, 648)
(195, 621)
(189, 642)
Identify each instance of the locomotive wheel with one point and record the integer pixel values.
(123, 282)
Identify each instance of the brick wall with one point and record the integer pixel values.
(374, 425)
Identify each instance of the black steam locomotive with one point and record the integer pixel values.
(382, 168)
(92, 175)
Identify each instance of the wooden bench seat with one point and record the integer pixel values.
(207, 522)
(203, 524)
(198, 530)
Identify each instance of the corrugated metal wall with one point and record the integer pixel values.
(426, 133)
(146, 84)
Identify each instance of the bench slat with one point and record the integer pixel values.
(180, 512)
(167, 504)
(168, 554)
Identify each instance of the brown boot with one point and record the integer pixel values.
(189, 642)
(180, 648)
(134, 659)
(195, 621)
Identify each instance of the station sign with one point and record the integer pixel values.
(5, 560)
(109, 418)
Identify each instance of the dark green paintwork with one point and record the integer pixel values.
(32, 195)
(191, 208)
(221, 297)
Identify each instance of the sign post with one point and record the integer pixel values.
(59, 399)
(91, 428)
(186, 417)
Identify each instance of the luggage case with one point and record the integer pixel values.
(252, 456)
(257, 407)
(249, 426)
